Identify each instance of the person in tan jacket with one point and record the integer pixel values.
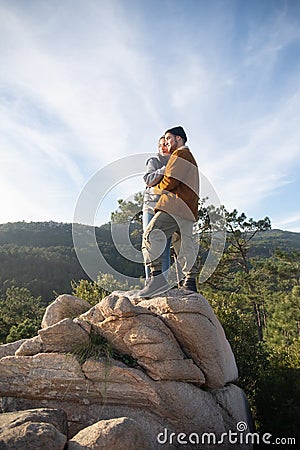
(175, 212)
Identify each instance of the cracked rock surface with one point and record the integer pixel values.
(179, 375)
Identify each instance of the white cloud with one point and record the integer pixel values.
(291, 223)
(254, 141)
(90, 85)
(247, 173)
(265, 41)
(191, 84)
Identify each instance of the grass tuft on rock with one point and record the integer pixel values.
(99, 348)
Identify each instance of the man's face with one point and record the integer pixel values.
(171, 142)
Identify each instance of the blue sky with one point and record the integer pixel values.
(84, 83)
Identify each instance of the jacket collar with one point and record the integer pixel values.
(182, 147)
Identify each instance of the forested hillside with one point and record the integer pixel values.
(255, 291)
(264, 244)
(40, 255)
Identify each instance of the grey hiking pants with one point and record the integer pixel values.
(161, 227)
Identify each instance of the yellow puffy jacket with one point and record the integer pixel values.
(179, 188)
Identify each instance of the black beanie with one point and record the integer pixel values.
(178, 131)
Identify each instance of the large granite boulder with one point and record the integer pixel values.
(179, 375)
(112, 434)
(65, 336)
(174, 337)
(64, 306)
(200, 335)
(36, 429)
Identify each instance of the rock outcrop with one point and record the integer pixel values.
(112, 434)
(168, 369)
(11, 348)
(35, 429)
(65, 306)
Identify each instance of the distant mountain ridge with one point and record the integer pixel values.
(41, 255)
(267, 242)
(52, 234)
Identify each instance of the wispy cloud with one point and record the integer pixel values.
(250, 141)
(94, 83)
(288, 222)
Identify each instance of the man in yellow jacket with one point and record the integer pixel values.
(175, 212)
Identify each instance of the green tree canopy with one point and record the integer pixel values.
(21, 314)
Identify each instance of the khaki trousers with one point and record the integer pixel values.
(161, 227)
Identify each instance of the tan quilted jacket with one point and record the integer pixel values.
(179, 188)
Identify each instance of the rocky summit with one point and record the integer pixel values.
(127, 373)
